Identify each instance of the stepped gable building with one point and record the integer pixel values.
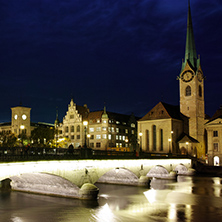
(99, 129)
(168, 128)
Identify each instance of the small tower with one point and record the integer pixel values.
(21, 120)
(191, 82)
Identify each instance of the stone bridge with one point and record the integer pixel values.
(76, 178)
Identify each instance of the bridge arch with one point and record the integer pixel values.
(119, 175)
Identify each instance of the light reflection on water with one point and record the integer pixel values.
(187, 199)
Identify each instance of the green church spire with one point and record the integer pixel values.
(190, 50)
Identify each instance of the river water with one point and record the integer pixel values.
(187, 199)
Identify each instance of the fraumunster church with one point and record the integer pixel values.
(184, 129)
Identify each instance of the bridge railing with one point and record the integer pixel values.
(43, 153)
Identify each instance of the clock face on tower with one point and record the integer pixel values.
(187, 76)
(24, 117)
(199, 75)
(15, 116)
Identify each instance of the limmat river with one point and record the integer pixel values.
(195, 199)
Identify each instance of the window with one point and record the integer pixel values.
(98, 120)
(147, 140)
(91, 129)
(215, 133)
(92, 137)
(161, 139)
(98, 145)
(91, 145)
(72, 137)
(188, 91)
(117, 130)
(104, 121)
(72, 116)
(72, 129)
(200, 91)
(124, 138)
(78, 137)
(104, 128)
(67, 129)
(78, 128)
(132, 131)
(98, 137)
(216, 147)
(154, 138)
(120, 137)
(133, 125)
(117, 137)
(109, 136)
(98, 129)
(104, 136)
(126, 131)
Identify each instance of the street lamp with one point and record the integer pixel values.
(88, 136)
(169, 144)
(85, 123)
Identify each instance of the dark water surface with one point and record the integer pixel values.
(187, 199)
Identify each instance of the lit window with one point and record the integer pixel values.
(117, 144)
(126, 131)
(98, 129)
(117, 130)
(132, 131)
(98, 120)
(117, 122)
(104, 128)
(91, 130)
(98, 137)
(109, 136)
(117, 137)
(133, 125)
(112, 129)
(120, 137)
(104, 121)
(124, 138)
(104, 136)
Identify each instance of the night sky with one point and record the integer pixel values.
(126, 53)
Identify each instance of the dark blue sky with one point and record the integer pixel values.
(127, 53)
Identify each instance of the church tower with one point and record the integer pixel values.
(191, 82)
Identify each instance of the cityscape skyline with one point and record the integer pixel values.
(127, 55)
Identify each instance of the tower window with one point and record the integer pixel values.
(188, 91)
(200, 91)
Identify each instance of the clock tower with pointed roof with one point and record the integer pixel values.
(191, 82)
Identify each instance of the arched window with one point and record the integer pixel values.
(216, 161)
(154, 138)
(78, 128)
(67, 129)
(161, 139)
(147, 140)
(188, 91)
(200, 91)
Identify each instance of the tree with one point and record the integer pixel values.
(42, 136)
(7, 139)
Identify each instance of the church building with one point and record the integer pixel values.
(179, 129)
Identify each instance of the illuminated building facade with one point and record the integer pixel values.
(98, 130)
